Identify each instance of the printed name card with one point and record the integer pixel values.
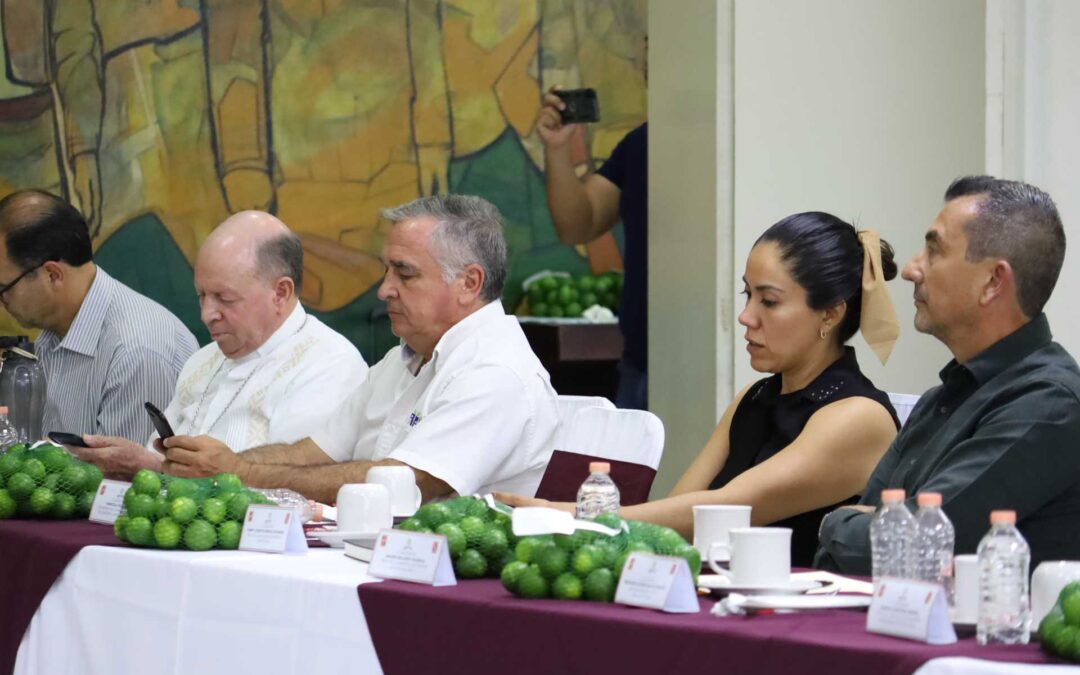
(657, 582)
(272, 529)
(910, 609)
(412, 556)
(108, 502)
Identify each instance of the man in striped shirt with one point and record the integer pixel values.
(105, 349)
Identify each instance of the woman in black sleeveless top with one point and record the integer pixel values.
(805, 440)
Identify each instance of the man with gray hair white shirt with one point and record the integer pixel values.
(463, 401)
(272, 373)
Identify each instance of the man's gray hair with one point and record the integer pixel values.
(468, 231)
(1019, 223)
(281, 256)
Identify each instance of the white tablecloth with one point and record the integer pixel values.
(121, 610)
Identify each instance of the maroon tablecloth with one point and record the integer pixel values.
(477, 627)
(33, 553)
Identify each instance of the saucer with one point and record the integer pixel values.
(336, 539)
(722, 584)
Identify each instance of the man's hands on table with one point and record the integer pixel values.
(198, 456)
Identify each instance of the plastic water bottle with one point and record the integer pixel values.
(22, 387)
(933, 543)
(8, 435)
(1004, 559)
(598, 494)
(892, 533)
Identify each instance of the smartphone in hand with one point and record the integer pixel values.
(581, 106)
(64, 438)
(160, 422)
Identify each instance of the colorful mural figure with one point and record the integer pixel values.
(160, 117)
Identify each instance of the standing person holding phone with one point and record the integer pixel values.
(585, 208)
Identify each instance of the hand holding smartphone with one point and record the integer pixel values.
(581, 105)
(160, 422)
(64, 438)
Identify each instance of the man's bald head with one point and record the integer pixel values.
(247, 276)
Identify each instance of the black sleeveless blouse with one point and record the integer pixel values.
(767, 421)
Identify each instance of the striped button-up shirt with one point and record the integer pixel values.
(122, 350)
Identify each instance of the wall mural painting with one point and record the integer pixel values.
(158, 118)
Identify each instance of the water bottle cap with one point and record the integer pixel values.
(1003, 517)
(929, 499)
(893, 495)
(599, 467)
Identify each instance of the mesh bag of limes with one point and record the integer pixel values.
(560, 295)
(1059, 631)
(45, 482)
(197, 514)
(582, 566)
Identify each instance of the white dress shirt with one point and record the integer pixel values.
(280, 393)
(480, 415)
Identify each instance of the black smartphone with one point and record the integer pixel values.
(161, 424)
(64, 438)
(581, 106)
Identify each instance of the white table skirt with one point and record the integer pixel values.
(121, 610)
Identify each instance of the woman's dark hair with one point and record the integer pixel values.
(824, 256)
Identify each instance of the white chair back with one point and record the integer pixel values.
(903, 403)
(568, 406)
(608, 433)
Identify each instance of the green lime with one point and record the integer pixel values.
(586, 559)
(228, 482)
(10, 462)
(535, 294)
(589, 299)
(182, 487)
(146, 482)
(609, 300)
(479, 509)
(51, 481)
(129, 495)
(551, 298)
(567, 542)
(182, 509)
(238, 505)
(455, 538)
(120, 526)
(214, 510)
(139, 531)
(525, 548)
(41, 501)
(573, 309)
(547, 283)
(510, 574)
(531, 583)
(200, 535)
(600, 585)
(35, 469)
(552, 561)
(566, 587)
(167, 533)
(229, 534)
(539, 308)
(55, 459)
(142, 505)
(556, 311)
(433, 515)
(567, 295)
(93, 477)
(667, 541)
(1070, 606)
(460, 505)
(1069, 590)
(7, 505)
(84, 503)
(72, 480)
(411, 525)
(603, 284)
(162, 506)
(473, 528)
(492, 544)
(1050, 626)
(586, 283)
(63, 506)
(471, 564)
(1064, 640)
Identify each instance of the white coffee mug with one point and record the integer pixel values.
(1046, 583)
(760, 556)
(712, 522)
(363, 508)
(965, 588)
(401, 482)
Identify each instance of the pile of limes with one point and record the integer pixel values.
(479, 538)
(587, 565)
(1059, 631)
(194, 513)
(45, 482)
(564, 296)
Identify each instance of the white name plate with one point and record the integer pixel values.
(657, 582)
(108, 502)
(412, 556)
(910, 609)
(272, 529)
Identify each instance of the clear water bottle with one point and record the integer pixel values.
(22, 387)
(8, 435)
(598, 494)
(891, 535)
(933, 544)
(1004, 559)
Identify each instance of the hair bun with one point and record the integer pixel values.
(888, 262)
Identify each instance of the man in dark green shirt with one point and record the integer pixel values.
(1002, 430)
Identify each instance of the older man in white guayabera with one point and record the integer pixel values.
(463, 401)
(273, 373)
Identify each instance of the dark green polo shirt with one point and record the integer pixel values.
(1001, 432)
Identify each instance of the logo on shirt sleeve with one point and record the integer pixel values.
(414, 419)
